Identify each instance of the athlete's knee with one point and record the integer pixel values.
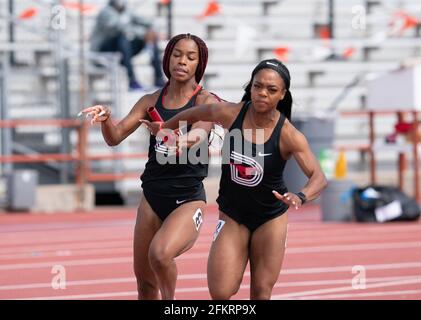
(221, 292)
(261, 291)
(159, 256)
(220, 295)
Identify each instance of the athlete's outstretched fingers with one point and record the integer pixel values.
(87, 110)
(97, 110)
(97, 113)
(279, 196)
(289, 198)
(293, 199)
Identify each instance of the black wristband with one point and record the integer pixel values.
(302, 197)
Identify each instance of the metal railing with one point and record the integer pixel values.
(370, 146)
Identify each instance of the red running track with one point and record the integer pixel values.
(94, 255)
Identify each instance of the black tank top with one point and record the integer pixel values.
(253, 171)
(185, 175)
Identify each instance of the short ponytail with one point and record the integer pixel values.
(285, 105)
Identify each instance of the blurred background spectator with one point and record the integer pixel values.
(118, 30)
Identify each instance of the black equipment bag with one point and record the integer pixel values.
(382, 204)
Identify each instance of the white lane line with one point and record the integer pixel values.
(308, 228)
(194, 276)
(356, 247)
(382, 266)
(60, 226)
(346, 288)
(309, 283)
(205, 241)
(336, 248)
(82, 262)
(68, 253)
(279, 284)
(85, 296)
(62, 239)
(205, 289)
(200, 255)
(68, 284)
(345, 239)
(125, 260)
(352, 247)
(65, 246)
(363, 295)
(329, 248)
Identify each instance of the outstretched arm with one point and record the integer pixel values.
(200, 130)
(294, 143)
(222, 113)
(114, 133)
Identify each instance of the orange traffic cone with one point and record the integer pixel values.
(341, 169)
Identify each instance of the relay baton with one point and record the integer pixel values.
(154, 115)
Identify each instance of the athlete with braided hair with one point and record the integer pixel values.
(171, 210)
(253, 199)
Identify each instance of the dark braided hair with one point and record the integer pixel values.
(285, 105)
(203, 54)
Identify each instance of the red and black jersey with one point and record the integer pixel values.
(172, 175)
(250, 172)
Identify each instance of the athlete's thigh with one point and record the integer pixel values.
(228, 254)
(180, 229)
(267, 250)
(147, 224)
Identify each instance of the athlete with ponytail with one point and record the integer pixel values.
(253, 199)
(171, 210)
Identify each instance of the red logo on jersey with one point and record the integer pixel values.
(245, 170)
